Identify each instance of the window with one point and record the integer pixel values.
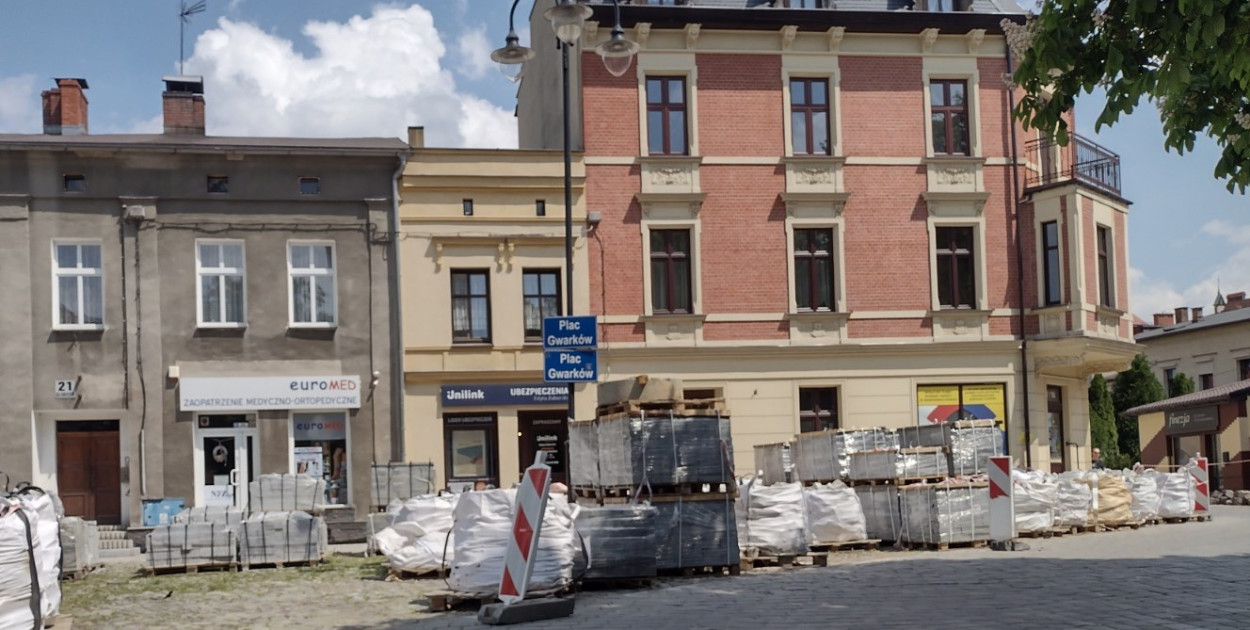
(471, 445)
(818, 409)
(78, 286)
(670, 271)
(665, 3)
(1050, 263)
(949, 110)
(666, 116)
(320, 450)
(470, 306)
(809, 116)
(1206, 381)
(813, 269)
(956, 278)
(1054, 423)
(218, 184)
(540, 208)
(541, 290)
(1169, 376)
(75, 183)
(467, 205)
(1106, 293)
(219, 269)
(947, 6)
(1243, 369)
(310, 185)
(313, 295)
(806, 4)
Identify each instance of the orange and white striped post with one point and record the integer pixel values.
(531, 505)
(1202, 487)
(1002, 506)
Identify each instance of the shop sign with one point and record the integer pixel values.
(269, 392)
(1196, 420)
(504, 395)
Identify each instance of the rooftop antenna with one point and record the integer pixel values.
(184, 16)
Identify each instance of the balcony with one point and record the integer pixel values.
(1082, 161)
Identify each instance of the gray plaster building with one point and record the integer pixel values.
(183, 312)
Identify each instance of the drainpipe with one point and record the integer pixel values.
(397, 341)
(1024, 339)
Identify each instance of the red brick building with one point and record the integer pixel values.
(824, 216)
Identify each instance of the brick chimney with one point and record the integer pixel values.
(1196, 313)
(1182, 314)
(183, 102)
(65, 108)
(1164, 319)
(1236, 300)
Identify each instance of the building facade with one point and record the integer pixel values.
(187, 312)
(825, 216)
(483, 261)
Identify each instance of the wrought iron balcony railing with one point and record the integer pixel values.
(1082, 160)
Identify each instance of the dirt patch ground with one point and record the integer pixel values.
(345, 592)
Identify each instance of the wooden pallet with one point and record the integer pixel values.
(787, 561)
(1107, 527)
(927, 546)
(190, 569)
(680, 408)
(898, 481)
(720, 569)
(850, 545)
(671, 497)
(279, 565)
(1201, 518)
(74, 576)
(1045, 533)
(400, 575)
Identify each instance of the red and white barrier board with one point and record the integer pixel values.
(1002, 506)
(1202, 487)
(531, 505)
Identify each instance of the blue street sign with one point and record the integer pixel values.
(571, 366)
(581, 331)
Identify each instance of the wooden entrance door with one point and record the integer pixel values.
(547, 431)
(88, 470)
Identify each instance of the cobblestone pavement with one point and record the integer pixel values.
(1194, 575)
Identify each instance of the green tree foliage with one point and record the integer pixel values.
(1102, 419)
(1180, 385)
(1133, 387)
(1188, 56)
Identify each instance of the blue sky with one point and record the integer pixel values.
(352, 68)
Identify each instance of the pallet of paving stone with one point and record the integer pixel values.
(282, 539)
(882, 519)
(287, 493)
(226, 567)
(663, 449)
(943, 546)
(900, 465)
(401, 575)
(189, 547)
(80, 547)
(785, 561)
(846, 545)
(824, 456)
(951, 512)
(619, 542)
(1118, 525)
(696, 531)
(231, 517)
(698, 571)
(584, 454)
(772, 460)
(399, 481)
(450, 600)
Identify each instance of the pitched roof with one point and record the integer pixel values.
(1209, 321)
(1231, 391)
(194, 143)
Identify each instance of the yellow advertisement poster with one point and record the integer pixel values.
(947, 403)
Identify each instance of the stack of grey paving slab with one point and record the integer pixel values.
(882, 518)
(695, 532)
(971, 443)
(899, 464)
(281, 538)
(826, 455)
(772, 460)
(658, 448)
(951, 512)
(80, 546)
(400, 481)
(192, 545)
(231, 516)
(584, 454)
(619, 541)
(286, 493)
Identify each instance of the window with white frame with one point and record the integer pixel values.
(313, 290)
(220, 274)
(78, 286)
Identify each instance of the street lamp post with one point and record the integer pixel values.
(568, 17)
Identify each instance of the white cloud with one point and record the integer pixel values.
(1151, 295)
(474, 52)
(20, 105)
(369, 76)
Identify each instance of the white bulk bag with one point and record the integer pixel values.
(419, 534)
(1036, 498)
(834, 514)
(20, 605)
(1145, 491)
(483, 527)
(775, 519)
(1176, 494)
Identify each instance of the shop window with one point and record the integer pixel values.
(948, 403)
(321, 450)
(818, 408)
(471, 443)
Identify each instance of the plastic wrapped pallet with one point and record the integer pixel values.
(772, 460)
(882, 519)
(1036, 498)
(46, 509)
(775, 520)
(1115, 503)
(973, 443)
(287, 493)
(483, 525)
(945, 513)
(899, 464)
(80, 545)
(695, 532)
(418, 538)
(400, 480)
(931, 434)
(664, 449)
(584, 454)
(619, 541)
(1145, 492)
(231, 517)
(282, 538)
(20, 604)
(186, 545)
(825, 455)
(1176, 494)
(834, 514)
(1076, 500)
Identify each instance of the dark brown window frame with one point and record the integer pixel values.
(948, 111)
(526, 297)
(1206, 381)
(950, 249)
(469, 297)
(665, 108)
(1106, 292)
(668, 259)
(807, 4)
(812, 258)
(1243, 369)
(1050, 298)
(811, 412)
(809, 111)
